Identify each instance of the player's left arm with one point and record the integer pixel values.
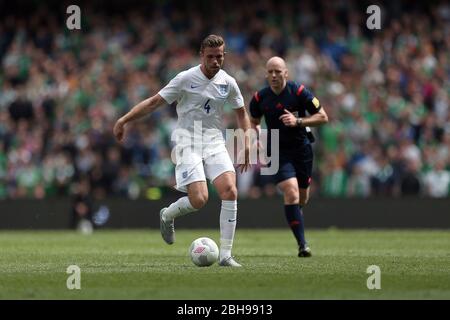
(237, 101)
(243, 121)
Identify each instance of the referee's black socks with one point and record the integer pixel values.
(294, 216)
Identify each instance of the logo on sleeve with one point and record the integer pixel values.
(316, 102)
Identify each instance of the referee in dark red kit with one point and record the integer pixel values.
(284, 105)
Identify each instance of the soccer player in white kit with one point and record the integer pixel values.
(201, 93)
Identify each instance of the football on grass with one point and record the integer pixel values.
(204, 252)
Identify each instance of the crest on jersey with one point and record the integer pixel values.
(223, 88)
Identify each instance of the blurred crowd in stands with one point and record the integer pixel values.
(386, 92)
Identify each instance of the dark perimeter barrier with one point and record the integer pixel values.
(376, 213)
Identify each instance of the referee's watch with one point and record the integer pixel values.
(299, 122)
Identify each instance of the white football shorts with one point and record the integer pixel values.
(197, 168)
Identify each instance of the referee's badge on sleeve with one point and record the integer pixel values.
(316, 102)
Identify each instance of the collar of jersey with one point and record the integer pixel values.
(205, 77)
(281, 92)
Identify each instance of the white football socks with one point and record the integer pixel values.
(177, 209)
(228, 218)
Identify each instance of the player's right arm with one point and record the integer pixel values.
(138, 111)
(168, 94)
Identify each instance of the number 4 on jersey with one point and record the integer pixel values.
(207, 107)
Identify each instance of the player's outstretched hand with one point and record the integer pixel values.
(119, 130)
(246, 165)
(289, 120)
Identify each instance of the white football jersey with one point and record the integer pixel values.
(201, 102)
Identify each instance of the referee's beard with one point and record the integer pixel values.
(277, 85)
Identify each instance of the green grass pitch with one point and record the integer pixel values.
(139, 265)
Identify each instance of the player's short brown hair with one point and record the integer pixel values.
(212, 41)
